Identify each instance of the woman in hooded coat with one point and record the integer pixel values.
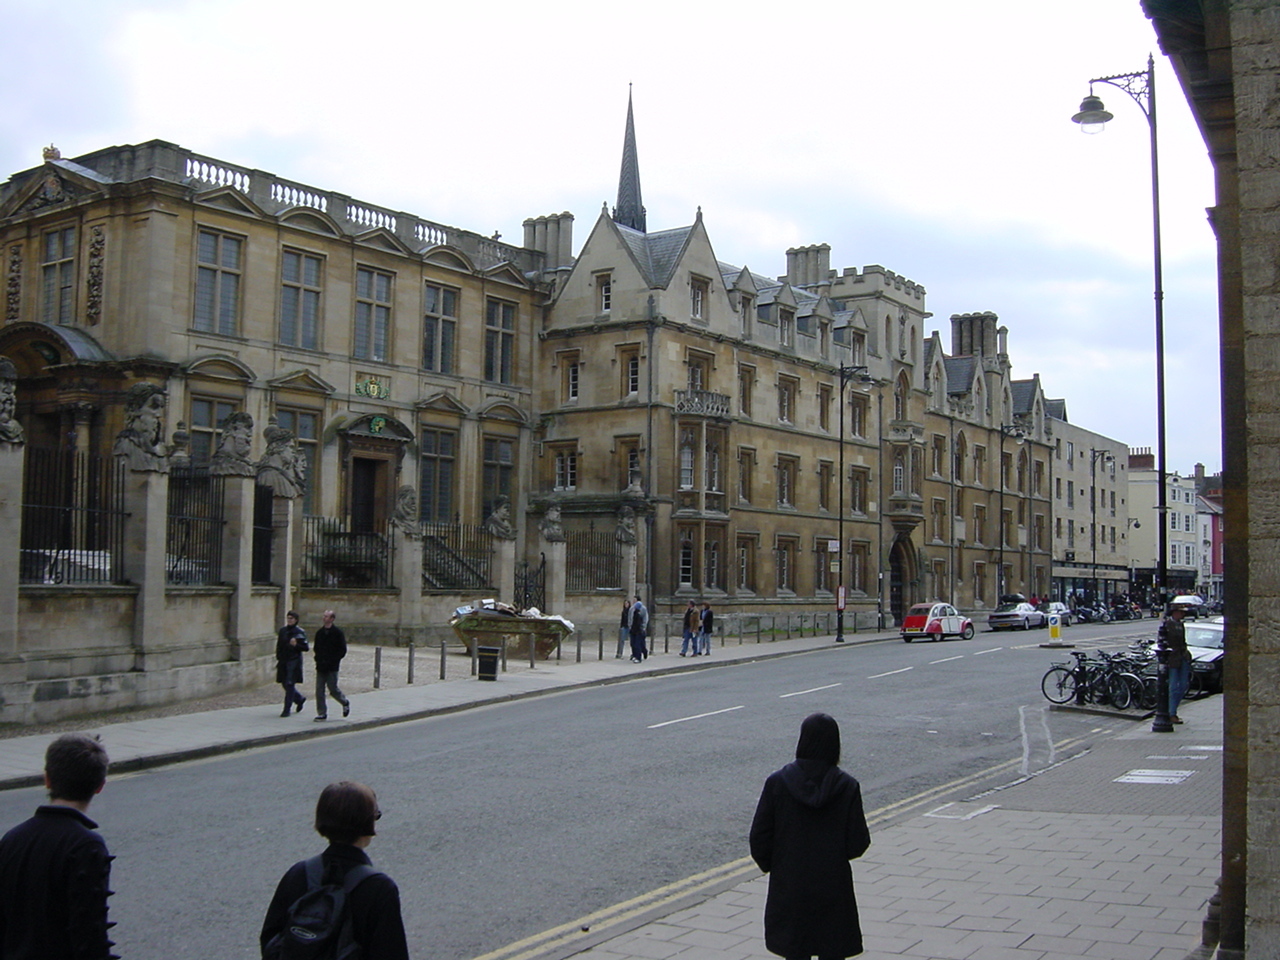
(808, 825)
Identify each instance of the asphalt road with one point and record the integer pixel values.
(504, 821)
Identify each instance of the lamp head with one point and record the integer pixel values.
(1092, 116)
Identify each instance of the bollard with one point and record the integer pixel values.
(757, 629)
(411, 664)
(377, 667)
(600, 642)
(579, 646)
(442, 662)
(559, 648)
(503, 655)
(474, 656)
(666, 638)
(533, 653)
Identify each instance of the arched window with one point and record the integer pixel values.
(686, 460)
(899, 474)
(960, 452)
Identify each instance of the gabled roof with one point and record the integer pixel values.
(1024, 394)
(1056, 409)
(656, 253)
(960, 374)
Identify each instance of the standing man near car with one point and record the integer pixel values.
(330, 648)
(1173, 638)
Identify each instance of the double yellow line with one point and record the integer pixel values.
(601, 922)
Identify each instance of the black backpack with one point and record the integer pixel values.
(318, 924)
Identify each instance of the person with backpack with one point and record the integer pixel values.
(336, 906)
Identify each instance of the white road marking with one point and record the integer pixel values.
(800, 693)
(992, 650)
(890, 673)
(947, 659)
(1043, 736)
(1155, 776)
(667, 723)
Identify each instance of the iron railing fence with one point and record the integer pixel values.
(335, 556)
(263, 505)
(456, 556)
(193, 537)
(72, 518)
(593, 561)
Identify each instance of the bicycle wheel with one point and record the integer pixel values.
(1058, 685)
(1150, 693)
(1120, 692)
(1195, 687)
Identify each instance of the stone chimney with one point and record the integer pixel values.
(552, 235)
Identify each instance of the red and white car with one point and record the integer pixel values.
(933, 621)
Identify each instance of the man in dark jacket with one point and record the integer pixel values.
(1172, 636)
(54, 870)
(291, 644)
(345, 815)
(330, 647)
(639, 631)
(808, 825)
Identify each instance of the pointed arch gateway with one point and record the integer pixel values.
(904, 577)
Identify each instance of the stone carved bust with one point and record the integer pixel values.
(141, 442)
(231, 459)
(626, 529)
(10, 428)
(498, 523)
(282, 468)
(550, 526)
(405, 517)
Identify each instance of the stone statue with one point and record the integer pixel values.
(552, 532)
(231, 459)
(498, 523)
(626, 530)
(282, 468)
(10, 428)
(405, 517)
(141, 442)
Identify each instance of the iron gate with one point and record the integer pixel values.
(531, 584)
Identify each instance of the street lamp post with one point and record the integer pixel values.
(1094, 457)
(1141, 87)
(1016, 433)
(846, 374)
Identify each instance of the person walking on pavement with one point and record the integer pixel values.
(639, 631)
(808, 825)
(624, 628)
(330, 647)
(707, 620)
(55, 870)
(291, 644)
(345, 816)
(1172, 636)
(690, 627)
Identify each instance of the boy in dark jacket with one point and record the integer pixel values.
(54, 869)
(291, 644)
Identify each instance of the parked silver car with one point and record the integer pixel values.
(1016, 616)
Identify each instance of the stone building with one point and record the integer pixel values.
(1182, 565)
(717, 398)
(300, 359)
(238, 394)
(1223, 52)
(1094, 523)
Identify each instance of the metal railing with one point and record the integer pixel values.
(456, 556)
(72, 518)
(335, 556)
(193, 535)
(593, 560)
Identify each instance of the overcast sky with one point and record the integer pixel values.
(929, 136)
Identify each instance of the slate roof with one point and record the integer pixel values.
(959, 373)
(1024, 394)
(1056, 409)
(656, 253)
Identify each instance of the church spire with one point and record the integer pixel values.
(630, 210)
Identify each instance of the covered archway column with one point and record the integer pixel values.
(12, 463)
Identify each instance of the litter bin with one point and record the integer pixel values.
(487, 662)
